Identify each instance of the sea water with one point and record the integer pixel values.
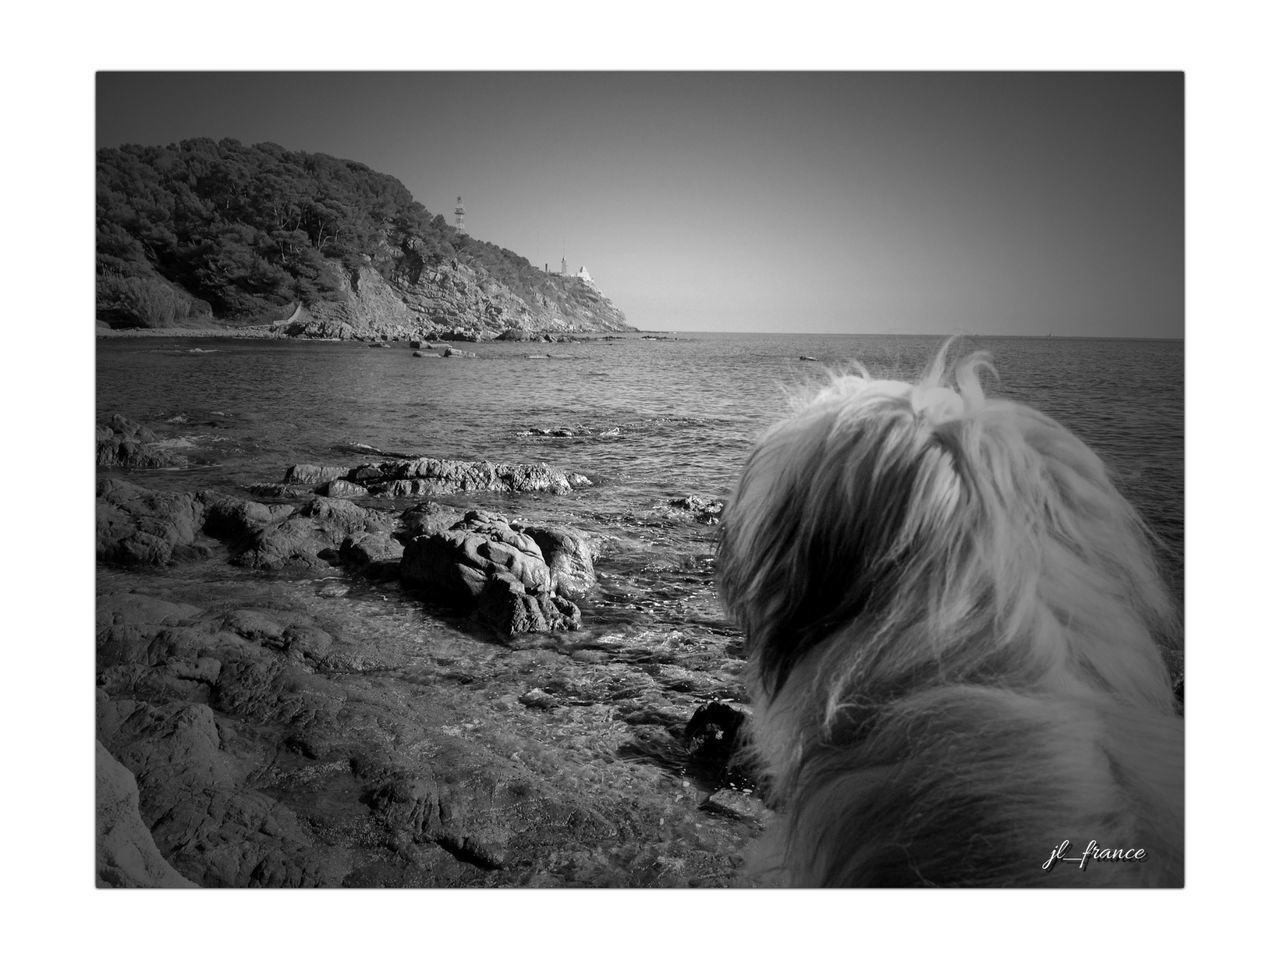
(651, 419)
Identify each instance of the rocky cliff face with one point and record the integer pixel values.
(452, 300)
(204, 233)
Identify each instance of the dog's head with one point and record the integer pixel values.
(891, 536)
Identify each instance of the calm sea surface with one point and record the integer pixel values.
(653, 419)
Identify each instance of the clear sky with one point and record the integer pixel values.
(997, 203)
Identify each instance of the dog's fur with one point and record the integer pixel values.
(953, 623)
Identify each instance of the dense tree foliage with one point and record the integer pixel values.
(241, 231)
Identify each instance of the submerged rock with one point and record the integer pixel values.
(702, 509)
(123, 443)
(735, 803)
(539, 699)
(516, 334)
(280, 491)
(431, 476)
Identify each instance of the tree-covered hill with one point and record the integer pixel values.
(203, 231)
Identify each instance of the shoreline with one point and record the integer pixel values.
(300, 644)
(267, 333)
(246, 333)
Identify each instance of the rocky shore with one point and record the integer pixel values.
(285, 332)
(339, 680)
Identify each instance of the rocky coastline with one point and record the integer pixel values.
(349, 677)
(312, 246)
(278, 332)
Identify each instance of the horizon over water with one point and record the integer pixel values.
(939, 337)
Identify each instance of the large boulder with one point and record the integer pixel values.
(507, 606)
(310, 537)
(455, 565)
(136, 526)
(486, 562)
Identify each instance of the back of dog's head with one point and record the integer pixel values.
(891, 538)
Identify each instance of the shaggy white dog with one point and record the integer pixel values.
(953, 622)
